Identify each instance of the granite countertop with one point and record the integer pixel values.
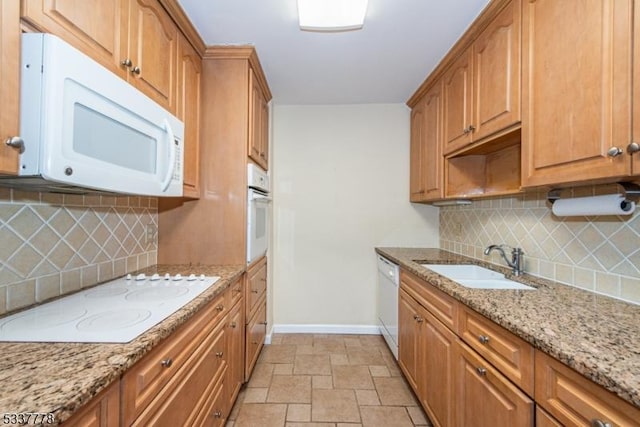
(60, 378)
(596, 335)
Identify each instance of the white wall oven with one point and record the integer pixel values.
(258, 209)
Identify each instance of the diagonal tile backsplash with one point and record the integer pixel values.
(601, 254)
(54, 244)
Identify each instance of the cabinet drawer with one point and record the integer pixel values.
(178, 402)
(144, 380)
(510, 354)
(234, 293)
(212, 414)
(543, 419)
(255, 334)
(441, 305)
(256, 285)
(574, 400)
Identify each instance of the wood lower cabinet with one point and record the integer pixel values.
(189, 73)
(485, 397)
(104, 410)
(575, 401)
(426, 147)
(255, 334)
(577, 76)
(256, 286)
(235, 351)
(10, 87)
(543, 419)
(409, 338)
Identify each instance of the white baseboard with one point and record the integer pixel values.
(326, 329)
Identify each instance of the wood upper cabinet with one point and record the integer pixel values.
(153, 41)
(258, 147)
(189, 74)
(135, 39)
(10, 87)
(485, 398)
(426, 147)
(96, 28)
(482, 86)
(576, 90)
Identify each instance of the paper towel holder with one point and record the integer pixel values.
(631, 192)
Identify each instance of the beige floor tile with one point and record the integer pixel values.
(385, 416)
(297, 339)
(367, 398)
(299, 412)
(277, 338)
(261, 376)
(353, 341)
(418, 416)
(290, 389)
(323, 382)
(352, 377)
(283, 369)
(261, 414)
(327, 345)
(379, 371)
(334, 406)
(229, 424)
(304, 349)
(256, 395)
(372, 340)
(312, 364)
(237, 405)
(349, 425)
(310, 425)
(278, 353)
(364, 356)
(394, 391)
(339, 359)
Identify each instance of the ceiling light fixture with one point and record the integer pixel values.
(331, 15)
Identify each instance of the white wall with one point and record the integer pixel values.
(341, 187)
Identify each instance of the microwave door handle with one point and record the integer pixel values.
(172, 157)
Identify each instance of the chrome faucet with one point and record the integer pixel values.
(516, 257)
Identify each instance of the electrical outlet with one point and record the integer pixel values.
(151, 234)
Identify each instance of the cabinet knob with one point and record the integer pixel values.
(614, 151)
(263, 323)
(136, 70)
(598, 423)
(15, 142)
(254, 291)
(166, 362)
(634, 147)
(481, 371)
(233, 324)
(418, 318)
(126, 62)
(483, 339)
(219, 354)
(217, 414)
(220, 307)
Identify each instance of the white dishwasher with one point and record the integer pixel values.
(388, 283)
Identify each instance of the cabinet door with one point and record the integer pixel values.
(496, 72)
(102, 411)
(10, 87)
(457, 95)
(436, 385)
(485, 398)
(258, 123)
(409, 338)
(426, 147)
(635, 167)
(96, 28)
(153, 39)
(235, 352)
(188, 110)
(576, 90)
(255, 333)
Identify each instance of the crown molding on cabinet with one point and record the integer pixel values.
(182, 21)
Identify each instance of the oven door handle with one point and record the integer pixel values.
(260, 198)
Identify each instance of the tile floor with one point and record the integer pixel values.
(305, 380)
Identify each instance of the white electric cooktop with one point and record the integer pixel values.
(114, 312)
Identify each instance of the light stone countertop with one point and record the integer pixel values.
(596, 335)
(60, 378)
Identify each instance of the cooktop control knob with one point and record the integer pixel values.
(191, 277)
(141, 276)
(128, 277)
(177, 277)
(202, 277)
(167, 276)
(155, 277)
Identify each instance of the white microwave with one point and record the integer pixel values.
(85, 129)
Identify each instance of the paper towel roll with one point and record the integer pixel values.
(611, 204)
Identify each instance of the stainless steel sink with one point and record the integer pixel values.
(476, 277)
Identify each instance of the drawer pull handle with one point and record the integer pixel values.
(254, 291)
(237, 291)
(166, 362)
(233, 325)
(217, 414)
(598, 423)
(219, 354)
(481, 371)
(263, 279)
(418, 318)
(483, 339)
(254, 342)
(220, 307)
(263, 323)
